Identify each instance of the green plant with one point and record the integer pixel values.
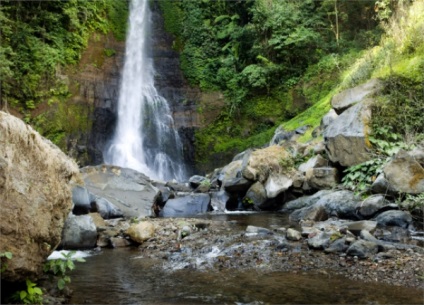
(359, 177)
(32, 294)
(59, 267)
(109, 52)
(7, 255)
(205, 182)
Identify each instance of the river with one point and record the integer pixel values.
(121, 276)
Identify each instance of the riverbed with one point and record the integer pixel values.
(221, 265)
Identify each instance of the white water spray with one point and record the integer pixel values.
(145, 138)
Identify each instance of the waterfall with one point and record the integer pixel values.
(145, 138)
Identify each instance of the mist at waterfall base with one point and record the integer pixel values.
(145, 138)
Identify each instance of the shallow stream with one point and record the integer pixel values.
(120, 276)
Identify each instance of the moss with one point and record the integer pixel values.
(117, 12)
(418, 175)
(173, 17)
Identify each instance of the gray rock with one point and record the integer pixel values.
(394, 218)
(305, 201)
(375, 204)
(382, 186)
(230, 171)
(314, 212)
(328, 118)
(316, 161)
(196, 180)
(219, 200)
(347, 98)
(79, 232)
(257, 230)
(319, 148)
(302, 129)
(237, 184)
(341, 204)
(365, 235)
(256, 195)
(393, 234)
(190, 205)
(293, 234)
(405, 174)
(276, 184)
(81, 199)
(322, 178)
(362, 249)
(319, 241)
(128, 190)
(107, 209)
(345, 136)
(281, 135)
(357, 226)
(178, 187)
(337, 246)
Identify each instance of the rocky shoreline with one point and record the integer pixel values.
(203, 244)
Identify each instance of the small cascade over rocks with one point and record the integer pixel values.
(145, 138)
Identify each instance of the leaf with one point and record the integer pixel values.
(37, 291)
(60, 284)
(23, 294)
(8, 255)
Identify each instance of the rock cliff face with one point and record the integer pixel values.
(35, 196)
(96, 82)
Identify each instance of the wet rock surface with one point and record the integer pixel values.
(203, 244)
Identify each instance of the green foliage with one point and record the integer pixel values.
(359, 177)
(109, 52)
(32, 294)
(386, 143)
(412, 202)
(405, 94)
(59, 267)
(6, 255)
(206, 182)
(40, 37)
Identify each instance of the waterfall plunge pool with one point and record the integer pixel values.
(122, 276)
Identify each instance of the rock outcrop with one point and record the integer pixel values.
(345, 137)
(128, 190)
(35, 197)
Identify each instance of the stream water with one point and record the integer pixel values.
(121, 276)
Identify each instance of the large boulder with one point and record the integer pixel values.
(347, 98)
(128, 190)
(397, 218)
(322, 178)
(342, 204)
(345, 137)
(81, 199)
(190, 205)
(79, 232)
(277, 184)
(35, 197)
(305, 201)
(405, 174)
(219, 200)
(263, 162)
(256, 195)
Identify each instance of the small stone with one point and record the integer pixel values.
(293, 235)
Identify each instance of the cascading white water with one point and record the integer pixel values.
(145, 138)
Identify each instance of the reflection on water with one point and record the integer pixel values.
(118, 277)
